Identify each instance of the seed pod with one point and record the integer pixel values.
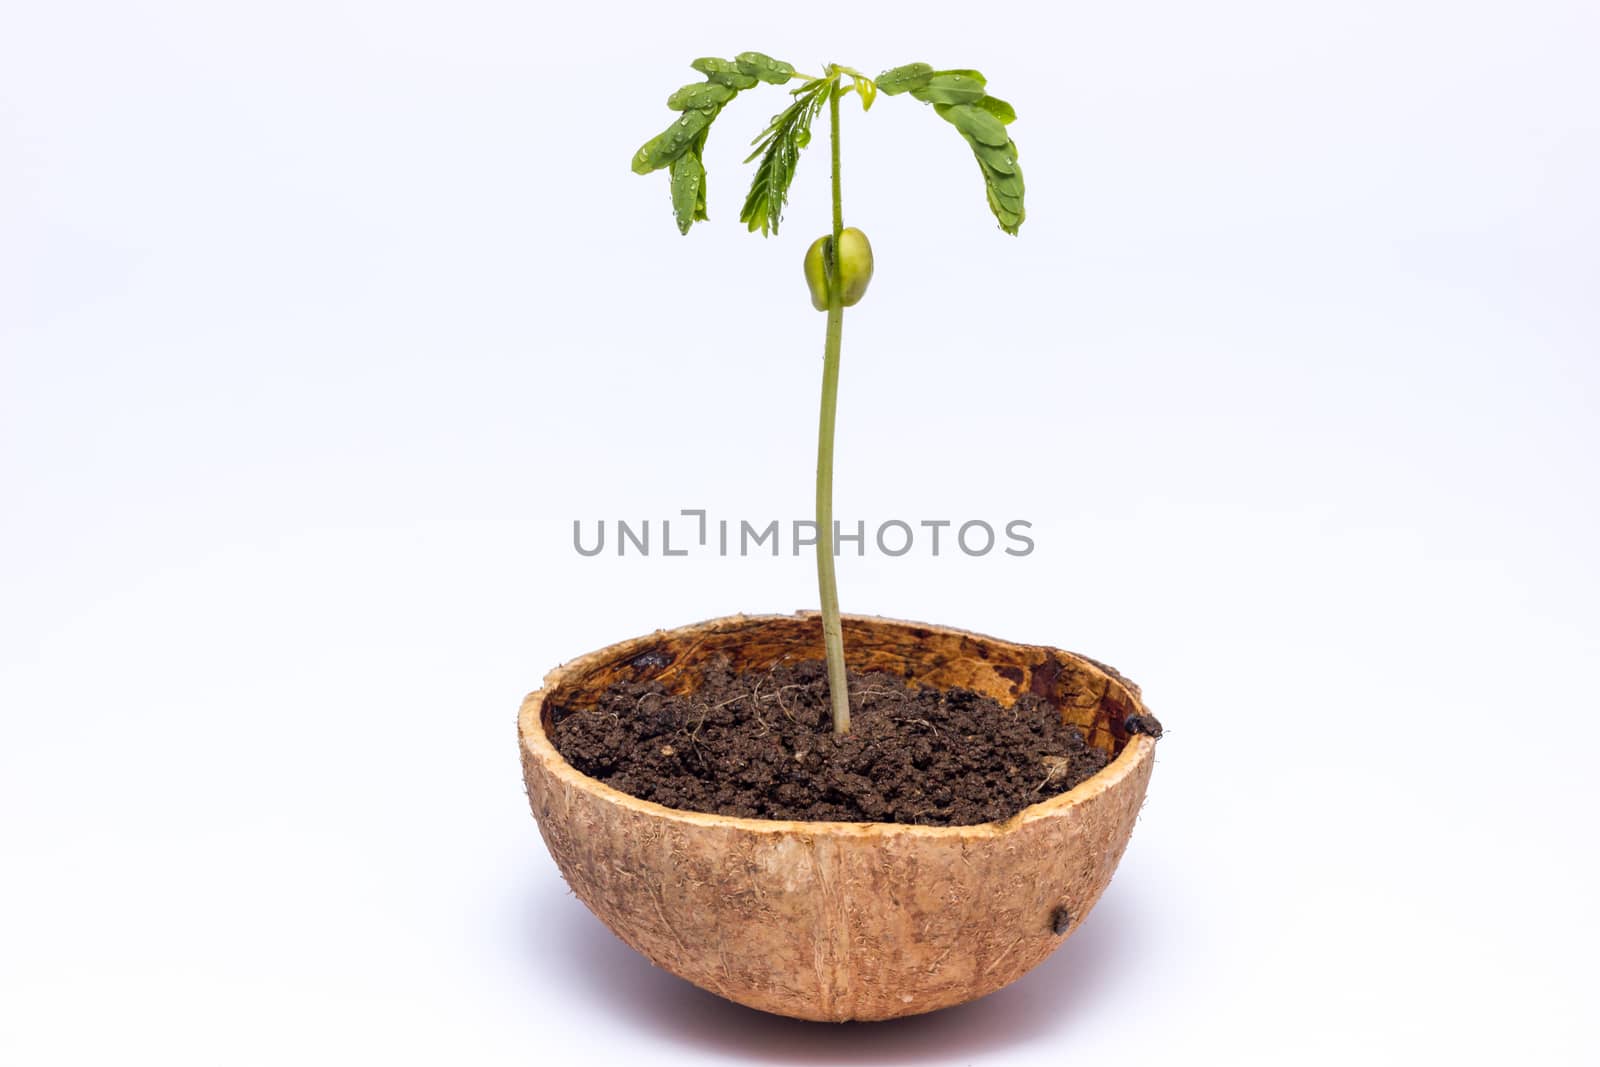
(854, 266)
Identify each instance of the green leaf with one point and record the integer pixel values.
(1002, 159)
(699, 151)
(681, 146)
(900, 79)
(779, 147)
(965, 72)
(1009, 204)
(688, 190)
(975, 123)
(998, 108)
(669, 144)
(772, 71)
(960, 99)
(701, 94)
(1004, 192)
(725, 72)
(1010, 221)
(951, 87)
(868, 92)
(1007, 186)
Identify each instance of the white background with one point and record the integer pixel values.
(321, 322)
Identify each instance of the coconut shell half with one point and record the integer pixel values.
(841, 921)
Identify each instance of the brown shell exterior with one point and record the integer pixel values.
(841, 921)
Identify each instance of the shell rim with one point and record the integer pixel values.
(536, 743)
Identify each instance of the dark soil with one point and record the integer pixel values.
(761, 745)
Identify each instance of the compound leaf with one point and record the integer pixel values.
(960, 98)
(779, 147)
(680, 148)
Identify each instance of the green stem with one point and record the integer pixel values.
(832, 631)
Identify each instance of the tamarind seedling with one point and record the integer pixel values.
(838, 265)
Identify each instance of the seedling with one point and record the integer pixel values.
(838, 265)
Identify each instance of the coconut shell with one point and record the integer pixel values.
(841, 921)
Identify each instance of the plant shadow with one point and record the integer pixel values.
(1082, 977)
